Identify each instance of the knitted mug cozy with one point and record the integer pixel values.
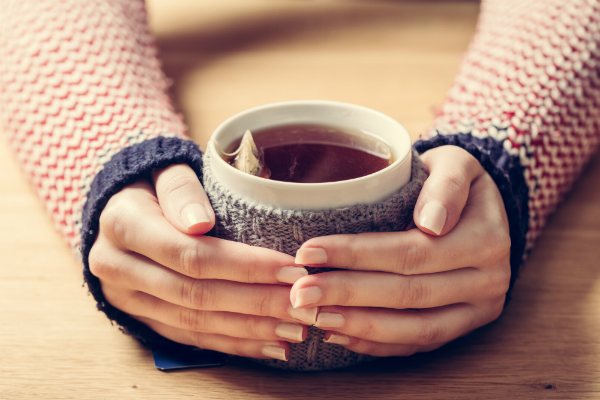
(242, 220)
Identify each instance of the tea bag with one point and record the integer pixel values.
(248, 158)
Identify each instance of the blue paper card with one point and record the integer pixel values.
(172, 358)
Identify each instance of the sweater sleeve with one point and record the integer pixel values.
(526, 104)
(84, 105)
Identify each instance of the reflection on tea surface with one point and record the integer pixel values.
(306, 153)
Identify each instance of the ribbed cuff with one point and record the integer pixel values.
(508, 175)
(126, 167)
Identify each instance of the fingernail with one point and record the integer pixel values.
(289, 331)
(330, 320)
(311, 255)
(308, 295)
(274, 352)
(433, 216)
(338, 339)
(193, 214)
(306, 315)
(291, 274)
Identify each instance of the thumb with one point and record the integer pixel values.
(445, 192)
(183, 200)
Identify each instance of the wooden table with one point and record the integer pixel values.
(226, 56)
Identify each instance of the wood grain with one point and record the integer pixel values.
(225, 56)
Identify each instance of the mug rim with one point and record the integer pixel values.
(401, 155)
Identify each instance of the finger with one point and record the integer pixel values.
(137, 273)
(134, 222)
(368, 347)
(140, 304)
(410, 327)
(183, 200)
(445, 192)
(407, 253)
(480, 239)
(380, 289)
(225, 344)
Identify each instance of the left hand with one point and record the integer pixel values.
(407, 292)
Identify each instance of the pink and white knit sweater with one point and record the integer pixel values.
(85, 108)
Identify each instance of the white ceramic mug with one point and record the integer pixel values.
(283, 215)
(314, 196)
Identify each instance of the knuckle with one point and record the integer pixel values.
(186, 292)
(115, 297)
(456, 180)
(104, 268)
(189, 260)
(192, 320)
(262, 304)
(411, 261)
(95, 261)
(499, 282)
(113, 222)
(355, 251)
(197, 294)
(497, 244)
(176, 183)
(429, 333)
(368, 330)
(346, 293)
(251, 270)
(122, 299)
(414, 294)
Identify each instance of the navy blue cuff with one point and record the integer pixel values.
(126, 167)
(508, 175)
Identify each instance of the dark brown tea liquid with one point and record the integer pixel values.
(316, 153)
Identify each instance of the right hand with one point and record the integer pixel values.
(197, 290)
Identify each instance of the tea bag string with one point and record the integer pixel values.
(224, 155)
(246, 139)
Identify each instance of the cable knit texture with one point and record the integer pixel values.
(244, 221)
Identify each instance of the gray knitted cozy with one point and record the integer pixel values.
(285, 230)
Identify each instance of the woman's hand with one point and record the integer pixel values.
(414, 291)
(197, 290)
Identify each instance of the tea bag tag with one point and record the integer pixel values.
(248, 158)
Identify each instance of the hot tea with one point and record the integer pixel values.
(306, 153)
